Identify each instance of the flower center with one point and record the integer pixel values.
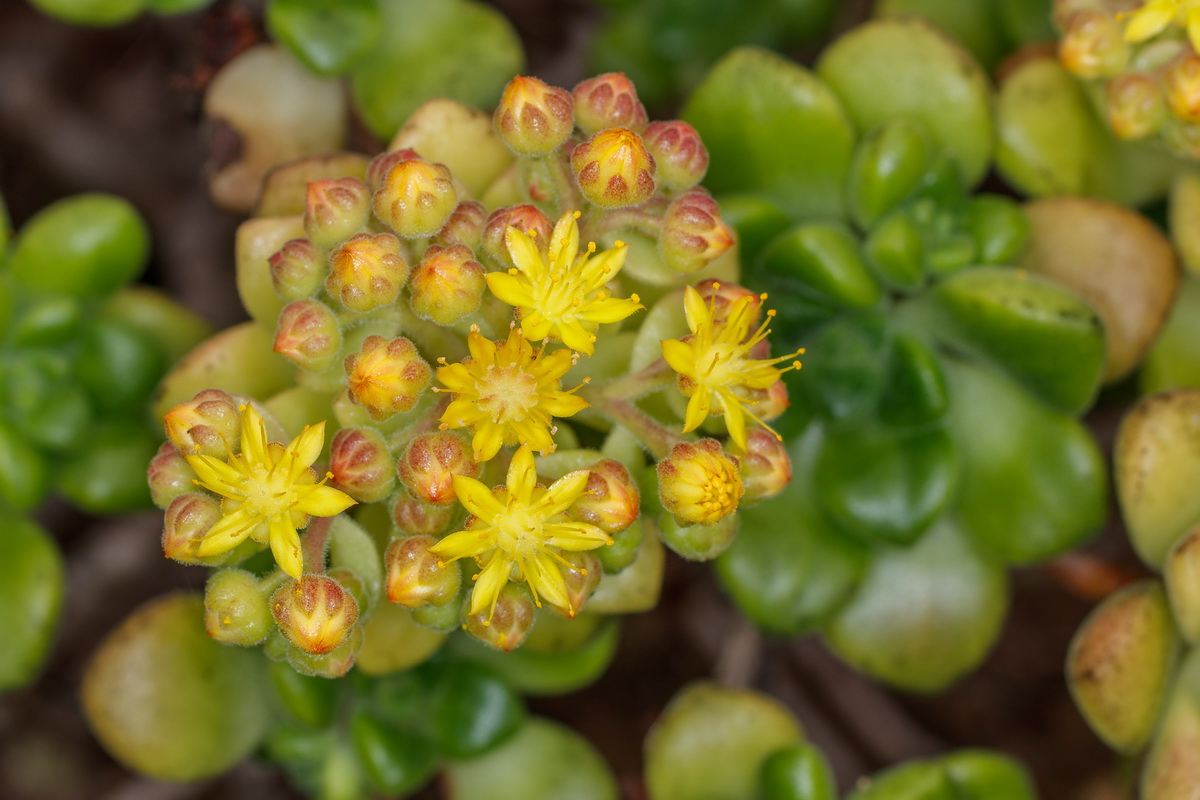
(720, 365)
(518, 532)
(719, 493)
(268, 491)
(507, 393)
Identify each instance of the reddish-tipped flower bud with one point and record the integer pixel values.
(315, 613)
(298, 269)
(770, 403)
(1135, 106)
(367, 272)
(361, 464)
(187, 520)
(721, 298)
(608, 101)
(509, 623)
(525, 218)
(614, 169)
(580, 580)
(679, 155)
(693, 233)
(1093, 45)
(428, 465)
(208, 424)
(418, 518)
(610, 501)
(235, 609)
(335, 209)
(766, 467)
(447, 285)
(699, 483)
(377, 170)
(1182, 83)
(416, 198)
(308, 335)
(385, 377)
(533, 118)
(416, 577)
(168, 475)
(334, 664)
(465, 225)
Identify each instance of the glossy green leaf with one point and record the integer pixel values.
(108, 476)
(1174, 359)
(459, 49)
(984, 775)
(1045, 465)
(173, 327)
(822, 261)
(973, 25)
(923, 615)
(119, 366)
(915, 389)
(846, 368)
(888, 69)
(46, 321)
(24, 472)
(915, 780)
(1043, 335)
(797, 772)
(31, 594)
(999, 227)
(472, 710)
(309, 699)
(328, 36)
(101, 13)
(772, 127)
(396, 761)
(894, 249)
(757, 221)
(887, 166)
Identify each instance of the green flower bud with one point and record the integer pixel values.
(335, 209)
(334, 664)
(693, 233)
(509, 623)
(235, 609)
(1134, 105)
(298, 269)
(465, 226)
(315, 613)
(429, 464)
(533, 118)
(168, 475)
(361, 465)
(698, 542)
(608, 101)
(679, 154)
(367, 271)
(419, 518)
(308, 335)
(188, 518)
(611, 501)
(416, 577)
(614, 169)
(581, 580)
(415, 198)
(447, 285)
(766, 467)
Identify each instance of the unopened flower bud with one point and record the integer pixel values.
(608, 101)
(447, 285)
(168, 475)
(679, 156)
(385, 377)
(416, 198)
(699, 483)
(624, 550)
(429, 464)
(697, 542)
(334, 664)
(308, 335)
(1182, 82)
(525, 218)
(416, 577)
(610, 501)
(361, 464)
(352, 584)
(185, 523)
(580, 579)
(1093, 45)
(378, 169)
(335, 209)
(298, 269)
(208, 424)
(614, 169)
(765, 467)
(533, 118)
(509, 624)
(367, 271)
(465, 225)
(315, 613)
(721, 297)
(693, 233)
(1135, 106)
(770, 403)
(235, 609)
(418, 517)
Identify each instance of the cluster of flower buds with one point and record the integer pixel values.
(1145, 60)
(454, 337)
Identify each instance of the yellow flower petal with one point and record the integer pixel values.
(488, 583)
(323, 501)
(285, 546)
(575, 536)
(254, 434)
(735, 421)
(698, 409)
(227, 533)
(679, 356)
(524, 253)
(695, 309)
(610, 309)
(561, 494)
(511, 289)
(1149, 20)
(546, 581)
(487, 441)
(522, 475)
(306, 448)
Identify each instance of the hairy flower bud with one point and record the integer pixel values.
(533, 118)
(429, 464)
(509, 624)
(465, 226)
(770, 403)
(447, 285)
(377, 170)
(526, 218)
(314, 612)
(416, 577)
(367, 271)
(235, 609)
(416, 198)
(386, 377)
(361, 464)
(610, 501)
(298, 269)
(1093, 45)
(614, 169)
(679, 156)
(722, 298)
(334, 664)
(186, 521)
(696, 541)
(580, 580)
(766, 467)
(608, 101)
(699, 483)
(208, 424)
(1135, 106)
(1182, 83)
(693, 233)
(168, 475)
(308, 335)
(419, 518)
(335, 209)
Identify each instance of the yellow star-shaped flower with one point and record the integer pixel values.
(1155, 16)
(268, 491)
(518, 532)
(563, 297)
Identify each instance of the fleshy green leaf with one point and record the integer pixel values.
(328, 36)
(31, 592)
